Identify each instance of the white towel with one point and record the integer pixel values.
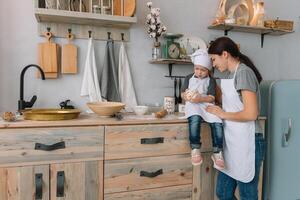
(90, 83)
(126, 88)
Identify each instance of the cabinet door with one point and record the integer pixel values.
(24, 183)
(203, 179)
(77, 181)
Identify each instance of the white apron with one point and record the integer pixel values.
(201, 85)
(239, 144)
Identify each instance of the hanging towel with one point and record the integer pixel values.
(90, 83)
(109, 84)
(126, 88)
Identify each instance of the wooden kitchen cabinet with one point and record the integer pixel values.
(67, 181)
(77, 181)
(21, 183)
(105, 159)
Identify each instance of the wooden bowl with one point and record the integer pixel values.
(106, 109)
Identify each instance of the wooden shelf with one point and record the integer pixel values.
(83, 18)
(170, 63)
(250, 29)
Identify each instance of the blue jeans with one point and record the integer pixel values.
(248, 191)
(195, 133)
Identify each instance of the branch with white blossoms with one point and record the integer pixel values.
(155, 26)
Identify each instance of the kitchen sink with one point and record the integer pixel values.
(51, 114)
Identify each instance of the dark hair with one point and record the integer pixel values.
(226, 44)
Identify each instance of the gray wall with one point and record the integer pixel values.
(278, 59)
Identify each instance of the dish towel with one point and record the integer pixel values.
(126, 88)
(90, 83)
(109, 84)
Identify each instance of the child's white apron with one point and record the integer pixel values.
(201, 85)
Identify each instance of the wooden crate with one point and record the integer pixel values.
(279, 24)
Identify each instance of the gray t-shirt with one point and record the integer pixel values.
(245, 79)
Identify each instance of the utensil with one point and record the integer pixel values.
(48, 56)
(179, 89)
(69, 56)
(175, 93)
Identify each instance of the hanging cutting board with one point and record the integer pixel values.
(48, 56)
(69, 57)
(128, 8)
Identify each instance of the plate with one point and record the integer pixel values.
(191, 43)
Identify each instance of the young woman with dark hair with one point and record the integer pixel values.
(244, 143)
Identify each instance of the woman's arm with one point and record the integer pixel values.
(249, 113)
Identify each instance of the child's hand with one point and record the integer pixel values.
(187, 95)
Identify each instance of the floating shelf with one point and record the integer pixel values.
(83, 18)
(171, 62)
(250, 29)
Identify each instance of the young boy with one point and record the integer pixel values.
(199, 91)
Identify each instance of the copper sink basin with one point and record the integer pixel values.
(51, 114)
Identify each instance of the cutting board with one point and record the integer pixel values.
(69, 57)
(128, 8)
(48, 56)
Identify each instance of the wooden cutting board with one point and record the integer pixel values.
(69, 57)
(128, 8)
(48, 56)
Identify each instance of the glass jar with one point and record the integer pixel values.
(156, 51)
(96, 9)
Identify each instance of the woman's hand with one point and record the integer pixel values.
(216, 110)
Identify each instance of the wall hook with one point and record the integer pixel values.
(108, 35)
(90, 34)
(122, 36)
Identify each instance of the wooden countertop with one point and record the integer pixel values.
(94, 120)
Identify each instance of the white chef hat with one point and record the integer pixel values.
(201, 57)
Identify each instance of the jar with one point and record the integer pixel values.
(169, 104)
(96, 9)
(156, 52)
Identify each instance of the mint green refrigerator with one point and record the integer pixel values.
(281, 105)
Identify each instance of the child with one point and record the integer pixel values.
(199, 91)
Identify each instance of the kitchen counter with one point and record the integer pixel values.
(95, 120)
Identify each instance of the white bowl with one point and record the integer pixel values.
(140, 110)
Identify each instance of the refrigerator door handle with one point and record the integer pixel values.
(286, 136)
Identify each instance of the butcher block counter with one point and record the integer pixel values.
(95, 158)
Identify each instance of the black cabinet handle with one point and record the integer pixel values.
(38, 186)
(152, 140)
(151, 174)
(60, 186)
(44, 147)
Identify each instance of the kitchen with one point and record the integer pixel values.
(19, 38)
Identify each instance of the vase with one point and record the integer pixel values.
(156, 51)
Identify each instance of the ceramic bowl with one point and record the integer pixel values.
(140, 110)
(105, 109)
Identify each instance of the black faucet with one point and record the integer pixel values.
(22, 105)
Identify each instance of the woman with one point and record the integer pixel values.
(244, 143)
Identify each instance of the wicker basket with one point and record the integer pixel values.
(279, 24)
